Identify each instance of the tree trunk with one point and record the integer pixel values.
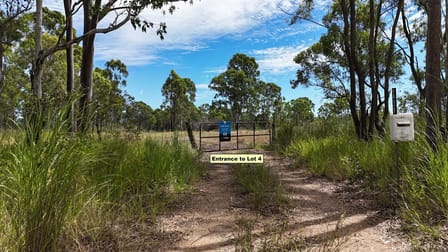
(389, 60)
(372, 74)
(70, 64)
(445, 89)
(358, 71)
(34, 110)
(411, 59)
(191, 135)
(432, 77)
(349, 52)
(88, 50)
(2, 78)
(37, 65)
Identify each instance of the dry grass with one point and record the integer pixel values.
(210, 139)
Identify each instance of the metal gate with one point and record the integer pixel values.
(245, 136)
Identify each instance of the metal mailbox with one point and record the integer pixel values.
(402, 127)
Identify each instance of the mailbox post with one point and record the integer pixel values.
(402, 127)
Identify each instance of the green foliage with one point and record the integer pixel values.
(66, 186)
(301, 109)
(240, 93)
(179, 96)
(132, 170)
(39, 184)
(425, 188)
(237, 85)
(140, 115)
(339, 155)
(339, 107)
(262, 186)
(109, 101)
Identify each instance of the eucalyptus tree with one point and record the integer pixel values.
(109, 102)
(338, 107)
(237, 86)
(139, 115)
(10, 12)
(433, 81)
(301, 110)
(179, 100)
(94, 11)
(269, 100)
(20, 57)
(354, 60)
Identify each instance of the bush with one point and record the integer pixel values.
(65, 187)
(39, 185)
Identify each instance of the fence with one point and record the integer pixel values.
(246, 135)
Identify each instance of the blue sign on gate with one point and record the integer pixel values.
(224, 131)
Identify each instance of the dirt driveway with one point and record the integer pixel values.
(321, 217)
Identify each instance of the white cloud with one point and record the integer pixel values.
(189, 28)
(277, 60)
(202, 86)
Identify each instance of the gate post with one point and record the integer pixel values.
(200, 136)
(237, 139)
(253, 142)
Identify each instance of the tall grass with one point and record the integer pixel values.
(39, 182)
(425, 194)
(343, 157)
(61, 188)
(419, 186)
(135, 175)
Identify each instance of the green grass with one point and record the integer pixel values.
(140, 174)
(262, 187)
(344, 158)
(39, 184)
(63, 189)
(426, 186)
(419, 188)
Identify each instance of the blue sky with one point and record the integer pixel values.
(203, 37)
(201, 40)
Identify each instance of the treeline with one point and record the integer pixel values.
(240, 94)
(43, 66)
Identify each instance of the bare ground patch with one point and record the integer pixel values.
(321, 216)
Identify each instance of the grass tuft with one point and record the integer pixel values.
(262, 187)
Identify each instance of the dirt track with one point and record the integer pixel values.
(322, 217)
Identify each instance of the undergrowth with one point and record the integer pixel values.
(262, 186)
(418, 188)
(63, 191)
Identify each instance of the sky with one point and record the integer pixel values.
(202, 37)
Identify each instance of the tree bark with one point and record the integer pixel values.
(445, 89)
(389, 60)
(37, 65)
(35, 103)
(70, 64)
(372, 74)
(191, 135)
(411, 58)
(88, 50)
(432, 77)
(352, 71)
(2, 78)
